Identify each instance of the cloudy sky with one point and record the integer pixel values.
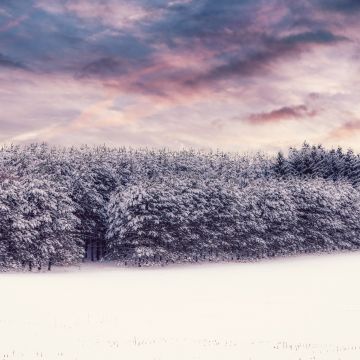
(229, 74)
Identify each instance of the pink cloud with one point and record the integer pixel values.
(347, 129)
(284, 113)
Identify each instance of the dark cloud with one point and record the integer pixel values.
(104, 68)
(203, 21)
(10, 63)
(344, 6)
(314, 37)
(284, 113)
(273, 49)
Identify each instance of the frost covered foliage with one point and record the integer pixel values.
(315, 161)
(142, 206)
(37, 224)
(183, 220)
(169, 219)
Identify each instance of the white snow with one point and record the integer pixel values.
(295, 308)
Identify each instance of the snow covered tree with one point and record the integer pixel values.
(48, 213)
(265, 219)
(37, 224)
(327, 213)
(136, 219)
(281, 166)
(162, 220)
(12, 237)
(149, 206)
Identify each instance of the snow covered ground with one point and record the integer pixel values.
(296, 308)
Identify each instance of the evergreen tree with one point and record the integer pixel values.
(48, 212)
(281, 166)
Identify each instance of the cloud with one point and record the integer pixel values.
(123, 41)
(7, 62)
(284, 113)
(104, 68)
(314, 37)
(344, 6)
(13, 23)
(347, 129)
(158, 72)
(112, 13)
(182, 63)
(258, 62)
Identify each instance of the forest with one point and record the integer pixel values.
(138, 207)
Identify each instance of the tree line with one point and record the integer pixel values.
(141, 206)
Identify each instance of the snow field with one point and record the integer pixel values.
(295, 308)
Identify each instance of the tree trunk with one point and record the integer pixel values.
(49, 265)
(92, 251)
(98, 249)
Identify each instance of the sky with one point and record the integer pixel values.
(235, 75)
